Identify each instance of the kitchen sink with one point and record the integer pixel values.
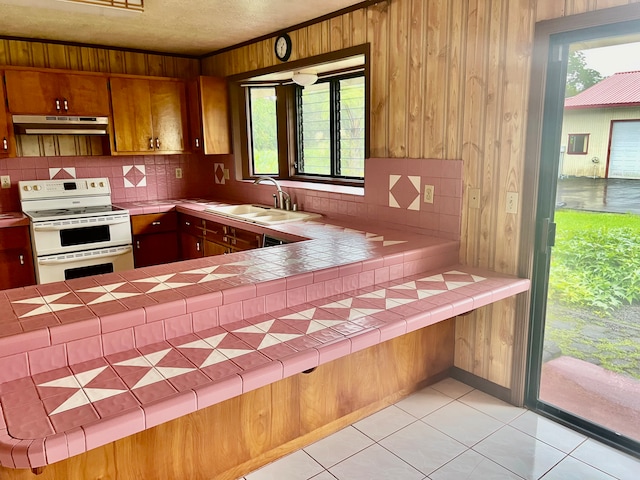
(261, 214)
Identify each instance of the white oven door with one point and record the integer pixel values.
(57, 268)
(60, 236)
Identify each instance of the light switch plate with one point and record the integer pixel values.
(6, 181)
(178, 172)
(226, 173)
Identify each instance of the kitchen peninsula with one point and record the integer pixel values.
(208, 368)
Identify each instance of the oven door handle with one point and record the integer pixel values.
(53, 261)
(56, 228)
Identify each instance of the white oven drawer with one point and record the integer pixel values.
(57, 268)
(61, 236)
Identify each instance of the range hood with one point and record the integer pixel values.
(60, 125)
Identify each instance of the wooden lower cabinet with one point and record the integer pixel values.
(191, 246)
(155, 239)
(213, 248)
(16, 262)
(200, 238)
(232, 438)
(155, 249)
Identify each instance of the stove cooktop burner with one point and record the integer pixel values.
(76, 211)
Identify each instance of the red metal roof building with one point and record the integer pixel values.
(618, 90)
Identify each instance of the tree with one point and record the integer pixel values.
(579, 76)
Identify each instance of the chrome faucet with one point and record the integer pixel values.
(282, 200)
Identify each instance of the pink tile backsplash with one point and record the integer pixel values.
(159, 175)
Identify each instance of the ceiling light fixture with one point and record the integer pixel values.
(135, 5)
(304, 79)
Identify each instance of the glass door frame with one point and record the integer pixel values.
(550, 129)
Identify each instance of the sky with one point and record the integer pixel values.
(614, 59)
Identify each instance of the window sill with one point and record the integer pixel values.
(320, 187)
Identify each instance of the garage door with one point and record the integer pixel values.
(624, 159)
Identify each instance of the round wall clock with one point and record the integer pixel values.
(283, 47)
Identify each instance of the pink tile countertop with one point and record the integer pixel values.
(89, 361)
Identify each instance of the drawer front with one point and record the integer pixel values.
(154, 223)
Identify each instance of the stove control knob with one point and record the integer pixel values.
(101, 184)
(37, 187)
(93, 184)
(26, 188)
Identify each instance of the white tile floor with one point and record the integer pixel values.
(450, 431)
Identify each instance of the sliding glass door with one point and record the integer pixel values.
(585, 353)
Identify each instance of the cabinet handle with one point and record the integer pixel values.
(65, 104)
(197, 246)
(155, 223)
(137, 243)
(57, 104)
(157, 143)
(5, 143)
(151, 144)
(197, 143)
(188, 224)
(21, 259)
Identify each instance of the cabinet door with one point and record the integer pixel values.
(213, 248)
(16, 269)
(6, 137)
(215, 115)
(196, 143)
(169, 115)
(39, 93)
(86, 94)
(191, 246)
(131, 105)
(155, 249)
(16, 262)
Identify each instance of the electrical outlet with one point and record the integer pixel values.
(178, 172)
(512, 202)
(474, 198)
(428, 193)
(226, 173)
(6, 181)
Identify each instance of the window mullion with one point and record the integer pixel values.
(299, 163)
(334, 115)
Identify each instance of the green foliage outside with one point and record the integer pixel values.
(596, 260)
(594, 290)
(579, 76)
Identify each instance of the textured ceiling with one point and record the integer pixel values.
(192, 27)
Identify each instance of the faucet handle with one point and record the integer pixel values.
(287, 202)
(275, 200)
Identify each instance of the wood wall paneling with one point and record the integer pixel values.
(94, 59)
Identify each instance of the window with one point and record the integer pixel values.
(578, 144)
(264, 131)
(317, 133)
(330, 128)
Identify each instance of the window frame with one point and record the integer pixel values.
(286, 114)
(334, 128)
(571, 151)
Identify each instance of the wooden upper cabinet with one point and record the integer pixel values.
(209, 116)
(45, 93)
(6, 136)
(149, 116)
